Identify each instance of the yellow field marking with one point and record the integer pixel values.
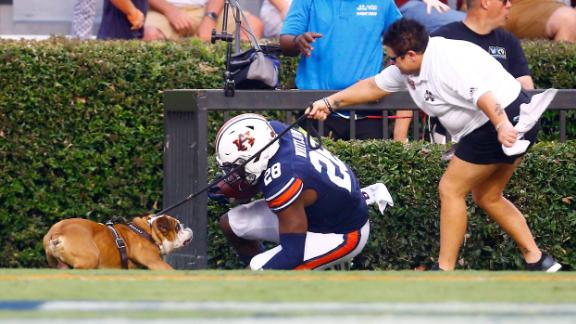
(300, 277)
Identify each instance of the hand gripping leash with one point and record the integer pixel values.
(241, 166)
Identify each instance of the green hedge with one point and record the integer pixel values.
(81, 134)
(406, 236)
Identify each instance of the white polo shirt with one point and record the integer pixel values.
(453, 75)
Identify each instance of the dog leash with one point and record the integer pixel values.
(121, 243)
(241, 166)
(135, 228)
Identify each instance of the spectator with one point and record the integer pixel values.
(431, 19)
(174, 19)
(482, 26)
(83, 18)
(477, 101)
(123, 19)
(340, 43)
(548, 19)
(318, 217)
(273, 13)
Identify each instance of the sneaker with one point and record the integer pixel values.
(436, 267)
(546, 263)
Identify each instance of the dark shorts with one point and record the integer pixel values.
(482, 145)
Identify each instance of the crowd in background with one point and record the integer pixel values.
(173, 19)
(298, 24)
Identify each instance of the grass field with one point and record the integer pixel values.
(203, 294)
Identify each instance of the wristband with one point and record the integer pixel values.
(500, 124)
(328, 105)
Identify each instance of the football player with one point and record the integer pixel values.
(312, 207)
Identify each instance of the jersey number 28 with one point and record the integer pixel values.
(322, 159)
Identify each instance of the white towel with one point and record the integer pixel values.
(529, 115)
(378, 194)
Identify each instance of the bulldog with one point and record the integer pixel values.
(83, 244)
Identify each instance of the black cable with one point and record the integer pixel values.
(241, 166)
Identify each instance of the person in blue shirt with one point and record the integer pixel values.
(312, 206)
(340, 43)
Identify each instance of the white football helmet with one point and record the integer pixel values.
(240, 138)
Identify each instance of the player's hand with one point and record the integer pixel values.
(436, 4)
(215, 194)
(304, 42)
(180, 21)
(507, 134)
(318, 110)
(136, 19)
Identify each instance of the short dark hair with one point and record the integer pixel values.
(405, 35)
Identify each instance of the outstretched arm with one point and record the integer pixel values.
(293, 45)
(361, 92)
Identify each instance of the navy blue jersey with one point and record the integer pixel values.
(340, 207)
(499, 43)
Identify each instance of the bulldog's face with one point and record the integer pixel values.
(170, 232)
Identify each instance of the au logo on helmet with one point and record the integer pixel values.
(244, 139)
(236, 142)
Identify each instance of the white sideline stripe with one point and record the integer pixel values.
(319, 307)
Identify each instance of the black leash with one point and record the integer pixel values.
(241, 166)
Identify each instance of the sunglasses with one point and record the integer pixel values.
(394, 58)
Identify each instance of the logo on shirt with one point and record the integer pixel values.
(497, 52)
(412, 84)
(472, 92)
(367, 10)
(428, 96)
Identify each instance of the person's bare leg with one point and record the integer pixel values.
(456, 183)
(402, 125)
(489, 196)
(152, 34)
(562, 25)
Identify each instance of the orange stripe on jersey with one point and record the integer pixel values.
(288, 194)
(350, 243)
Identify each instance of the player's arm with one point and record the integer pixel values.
(293, 225)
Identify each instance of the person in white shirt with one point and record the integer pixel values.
(477, 101)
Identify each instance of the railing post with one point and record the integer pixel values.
(185, 165)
